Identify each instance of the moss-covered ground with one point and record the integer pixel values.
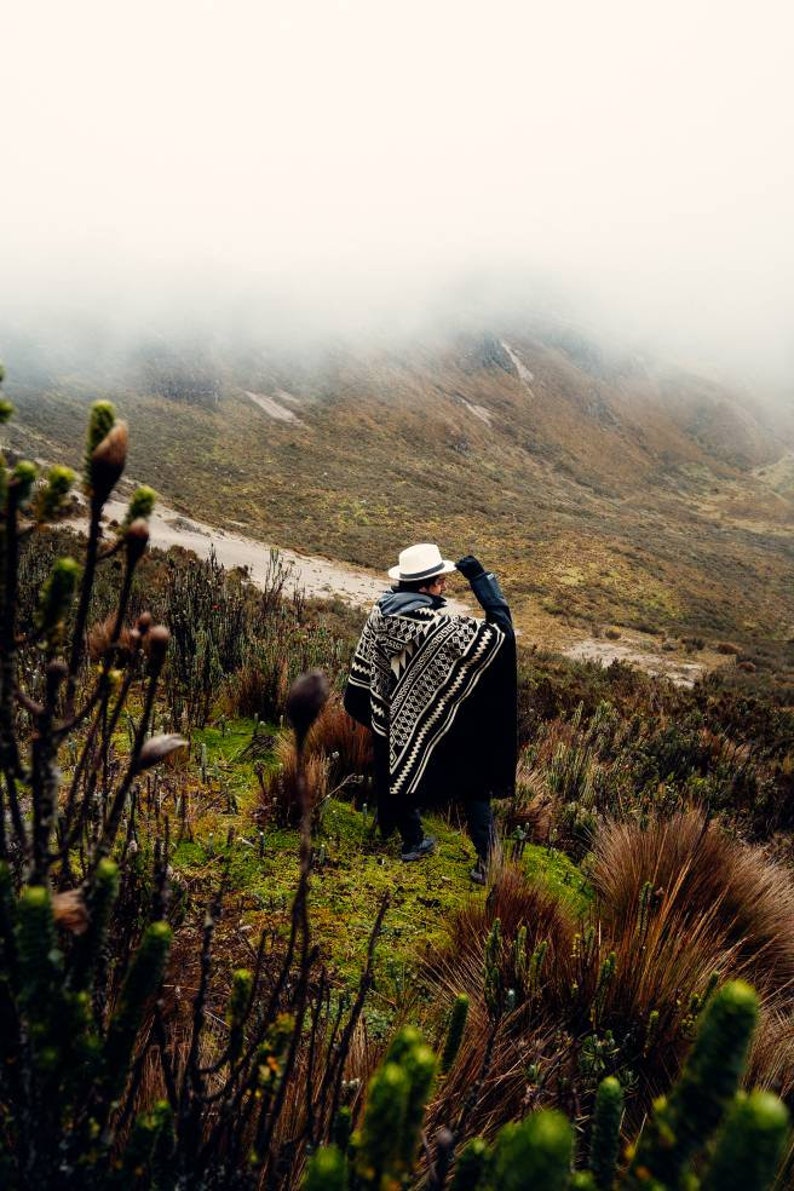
(353, 870)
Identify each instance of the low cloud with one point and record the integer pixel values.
(341, 167)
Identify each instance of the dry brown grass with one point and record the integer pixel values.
(532, 808)
(678, 905)
(255, 690)
(100, 637)
(516, 903)
(279, 787)
(708, 891)
(489, 1077)
(771, 1063)
(346, 744)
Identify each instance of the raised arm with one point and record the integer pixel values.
(487, 592)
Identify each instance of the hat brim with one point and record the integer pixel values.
(425, 577)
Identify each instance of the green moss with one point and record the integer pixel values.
(225, 740)
(352, 872)
(558, 873)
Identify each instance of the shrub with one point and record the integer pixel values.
(539, 1150)
(346, 745)
(556, 1007)
(102, 1081)
(207, 617)
(72, 1019)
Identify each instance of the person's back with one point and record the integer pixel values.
(438, 692)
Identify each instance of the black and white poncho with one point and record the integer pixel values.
(439, 693)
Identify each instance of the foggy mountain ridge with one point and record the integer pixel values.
(609, 418)
(610, 486)
(731, 424)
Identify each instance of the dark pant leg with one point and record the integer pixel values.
(402, 814)
(394, 813)
(409, 824)
(480, 824)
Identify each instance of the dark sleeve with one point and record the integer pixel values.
(489, 595)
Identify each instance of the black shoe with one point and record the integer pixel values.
(420, 850)
(479, 874)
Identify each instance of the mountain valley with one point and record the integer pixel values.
(610, 493)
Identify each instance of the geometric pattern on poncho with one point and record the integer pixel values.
(419, 668)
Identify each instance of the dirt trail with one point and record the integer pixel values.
(594, 649)
(326, 579)
(317, 576)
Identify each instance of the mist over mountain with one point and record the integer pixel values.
(520, 279)
(610, 485)
(344, 167)
(242, 337)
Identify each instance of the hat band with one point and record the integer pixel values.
(415, 575)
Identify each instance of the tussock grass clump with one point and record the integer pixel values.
(699, 884)
(517, 904)
(531, 809)
(497, 1074)
(346, 744)
(771, 1062)
(279, 799)
(338, 753)
(556, 1005)
(258, 688)
(102, 638)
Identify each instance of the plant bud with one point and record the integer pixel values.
(157, 748)
(107, 463)
(103, 415)
(156, 642)
(56, 598)
(306, 699)
(136, 540)
(23, 478)
(51, 498)
(70, 912)
(100, 423)
(141, 503)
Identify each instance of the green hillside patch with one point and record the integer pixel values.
(353, 869)
(596, 500)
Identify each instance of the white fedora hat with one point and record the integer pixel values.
(420, 562)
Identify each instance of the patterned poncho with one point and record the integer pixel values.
(437, 692)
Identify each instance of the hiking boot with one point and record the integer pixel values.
(420, 850)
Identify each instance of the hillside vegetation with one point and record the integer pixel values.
(606, 491)
(214, 973)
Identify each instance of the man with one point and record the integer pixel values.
(438, 692)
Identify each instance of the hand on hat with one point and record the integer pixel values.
(470, 567)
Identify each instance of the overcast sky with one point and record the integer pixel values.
(639, 151)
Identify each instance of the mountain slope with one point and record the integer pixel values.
(604, 489)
